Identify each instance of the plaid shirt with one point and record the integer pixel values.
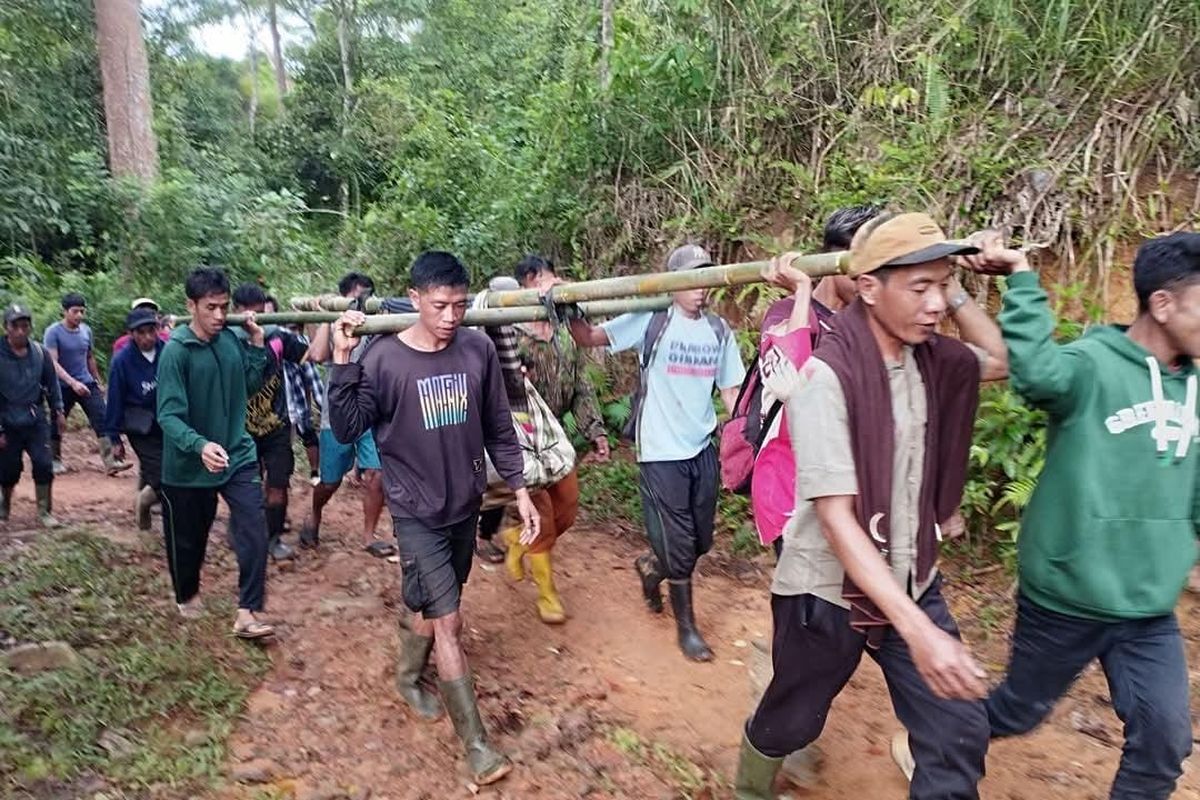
(302, 384)
(505, 339)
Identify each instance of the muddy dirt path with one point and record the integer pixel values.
(603, 706)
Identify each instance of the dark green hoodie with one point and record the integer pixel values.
(202, 391)
(1110, 532)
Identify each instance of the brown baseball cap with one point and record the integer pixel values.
(903, 240)
(687, 257)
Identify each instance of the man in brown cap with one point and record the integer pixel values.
(880, 425)
(686, 353)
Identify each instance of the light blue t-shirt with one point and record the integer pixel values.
(677, 413)
(73, 348)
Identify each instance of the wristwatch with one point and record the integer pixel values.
(958, 301)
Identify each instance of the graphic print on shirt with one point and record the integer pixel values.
(1173, 421)
(693, 359)
(261, 416)
(443, 400)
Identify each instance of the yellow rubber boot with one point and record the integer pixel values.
(549, 604)
(512, 556)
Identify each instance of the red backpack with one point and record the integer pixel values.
(743, 434)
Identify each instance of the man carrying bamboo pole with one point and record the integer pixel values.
(685, 352)
(880, 427)
(338, 459)
(205, 376)
(267, 418)
(436, 399)
(1110, 532)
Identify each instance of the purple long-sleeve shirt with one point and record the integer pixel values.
(433, 414)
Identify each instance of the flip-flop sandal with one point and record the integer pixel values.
(380, 548)
(254, 630)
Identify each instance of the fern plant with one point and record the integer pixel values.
(1007, 455)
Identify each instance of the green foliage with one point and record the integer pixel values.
(735, 521)
(687, 778)
(1007, 455)
(610, 490)
(484, 128)
(132, 681)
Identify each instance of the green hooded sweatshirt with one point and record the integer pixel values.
(202, 391)
(1110, 532)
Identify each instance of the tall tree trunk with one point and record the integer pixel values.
(281, 81)
(606, 43)
(345, 21)
(250, 25)
(125, 75)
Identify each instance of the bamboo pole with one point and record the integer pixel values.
(332, 302)
(658, 282)
(621, 286)
(390, 323)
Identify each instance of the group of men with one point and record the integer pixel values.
(870, 412)
(879, 413)
(42, 383)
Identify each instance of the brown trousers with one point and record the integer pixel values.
(557, 506)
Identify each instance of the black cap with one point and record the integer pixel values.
(139, 317)
(15, 312)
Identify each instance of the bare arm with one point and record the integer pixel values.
(942, 660)
(587, 335)
(93, 367)
(780, 272)
(977, 328)
(974, 324)
(352, 408)
(318, 348)
(729, 397)
(63, 375)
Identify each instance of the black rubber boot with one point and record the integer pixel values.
(690, 641)
(45, 505)
(487, 765)
(755, 774)
(649, 570)
(410, 663)
(310, 537)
